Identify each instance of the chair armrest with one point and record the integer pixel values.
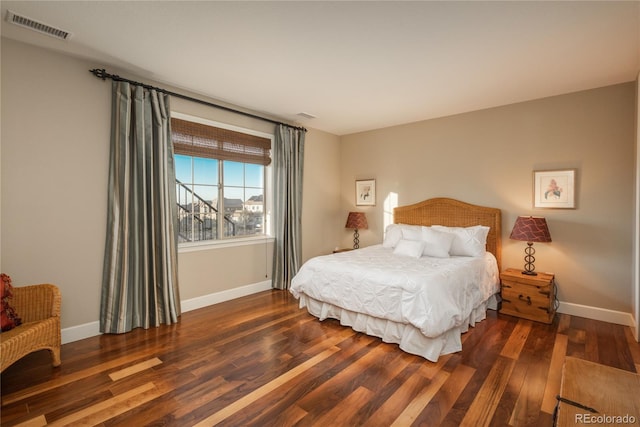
(36, 302)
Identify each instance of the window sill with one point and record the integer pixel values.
(220, 244)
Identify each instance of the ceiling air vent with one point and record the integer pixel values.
(34, 25)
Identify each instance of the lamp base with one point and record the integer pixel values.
(529, 259)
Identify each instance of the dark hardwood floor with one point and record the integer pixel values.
(259, 360)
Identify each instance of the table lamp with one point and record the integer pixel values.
(530, 229)
(356, 220)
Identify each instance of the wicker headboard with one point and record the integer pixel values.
(454, 213)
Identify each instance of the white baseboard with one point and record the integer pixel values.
(634, 329)
(229, 294)
(92, 329)
(80, 332)
(596, 313)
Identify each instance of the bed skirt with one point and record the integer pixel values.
(408, 337)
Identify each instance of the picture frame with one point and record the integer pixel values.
(554, 189)
(366, 192)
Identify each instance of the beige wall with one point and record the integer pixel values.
(321, 221)
(55, 147)
(55, 154)
(487, 157)
(636, 229)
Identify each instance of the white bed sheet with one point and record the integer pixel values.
(421, 304)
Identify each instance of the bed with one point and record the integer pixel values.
(420, 290)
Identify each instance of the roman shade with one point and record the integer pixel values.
(200, 140)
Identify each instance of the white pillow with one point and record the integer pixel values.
(436, 243)
(468, 241)
(410, 248)
(411, 232)
(392, 236)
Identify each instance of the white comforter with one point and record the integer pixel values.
(432, 294)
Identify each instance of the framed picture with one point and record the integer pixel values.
(554, 189)
(366, 192)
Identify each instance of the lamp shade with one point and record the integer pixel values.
(531, 229)
(357, 220)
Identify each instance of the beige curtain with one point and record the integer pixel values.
(140, 278)
(288, 162)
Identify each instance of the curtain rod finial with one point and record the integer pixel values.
(102, 73)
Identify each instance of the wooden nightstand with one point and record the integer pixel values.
(337, 251)
(529, 297)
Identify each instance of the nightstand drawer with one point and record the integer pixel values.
(527, 302)
(337, 251)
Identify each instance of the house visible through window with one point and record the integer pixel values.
(220, 181)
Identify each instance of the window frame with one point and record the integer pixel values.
(224, 242)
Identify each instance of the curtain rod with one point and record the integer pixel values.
(102, 74)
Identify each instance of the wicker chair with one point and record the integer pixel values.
(39, 308)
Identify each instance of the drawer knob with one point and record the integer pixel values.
(522, 298)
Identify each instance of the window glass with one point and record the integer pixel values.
(217, 198)
(234, 173)
(183, 168)
(205, 171)
(254, 176)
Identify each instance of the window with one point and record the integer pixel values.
(220, 181)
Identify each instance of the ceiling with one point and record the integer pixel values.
(357, 65)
